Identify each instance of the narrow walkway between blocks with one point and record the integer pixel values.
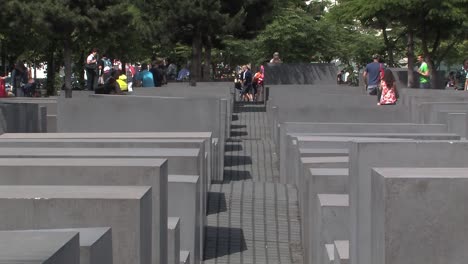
(252, 218)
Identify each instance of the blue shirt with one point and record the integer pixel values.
(146, 78)
(373, 73)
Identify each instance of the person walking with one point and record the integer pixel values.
(423, 71)
(91, 70)
(371, 75)
(247, 83)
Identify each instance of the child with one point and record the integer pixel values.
(451, 81)
(389, 90)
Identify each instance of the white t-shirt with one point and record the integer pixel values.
(90, 58)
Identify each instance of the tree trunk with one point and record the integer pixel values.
(51, 70)
(81, 70)
(389, 47)
(433, 73)
(410, 56)
(3, 55)
(206, 69)
(197, 46)
(67, 59)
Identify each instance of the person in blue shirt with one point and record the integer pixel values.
(145, 76)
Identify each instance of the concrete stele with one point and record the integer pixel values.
(41, 247)
(419, 215)
(118, 171)
(39, 207)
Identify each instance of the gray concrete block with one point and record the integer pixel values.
(418, 215)
(207, 136)
(427, 111)
(183, 202)
(364, 156)
(457, 123)
(21, 117)
(3, 124)
(314, 152)
(302, 127)
(173, 240)
(39, 247)
(95, 243)
(51, 123)
(330, 223)
(320, 181)
(38, 207)
(291, 152)
(119, 171)
(341, 252)
(184, 257)
(139, 114)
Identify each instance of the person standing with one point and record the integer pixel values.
(423, 71)
(247, 83)
(371, 75)
(460, 79)
(91, 70)
(276, 59)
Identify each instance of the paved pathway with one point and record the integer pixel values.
(252, 219)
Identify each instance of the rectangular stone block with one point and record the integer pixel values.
(39, 207)
(184, 197)
(366, 155)
(95, 243)
(182, 161)
(173, 240)
(341, 252)
(39, 247)
(317, 152)
(330, 223)
(418, 215)
(119, 171)
(290, 150)
(320, 181)
(184, 257)
(304, 127)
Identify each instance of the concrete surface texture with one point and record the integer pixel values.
(39, 247)
(173, 240)
(95, 243)
(106, 172)
(300, 73)
(364, 156)
(84, 206)
(418, 215)
(184, 198)
(330, 222)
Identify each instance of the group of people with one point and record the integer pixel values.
(106, 77)
(459, 80)
(251, 86)
(381, 82)
(21, 84)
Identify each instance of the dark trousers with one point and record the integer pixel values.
(91, 79)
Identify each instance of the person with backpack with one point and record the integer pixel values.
(461, 76)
